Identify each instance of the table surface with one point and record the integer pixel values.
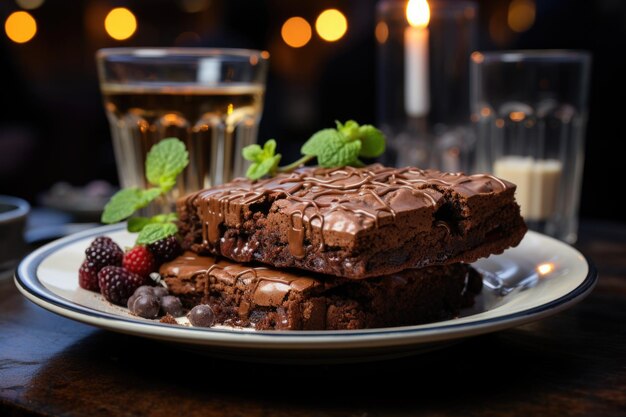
(570, 364)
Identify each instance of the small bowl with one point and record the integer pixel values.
(13, 214)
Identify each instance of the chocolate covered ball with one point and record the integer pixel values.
(171, 305)
(201, 316)
(146, 306)
(144, 289)
(160, 292)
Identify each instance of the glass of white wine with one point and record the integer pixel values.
(211, 99)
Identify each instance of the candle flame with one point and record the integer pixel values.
(418, 13)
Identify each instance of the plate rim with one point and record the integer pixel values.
(27, 281)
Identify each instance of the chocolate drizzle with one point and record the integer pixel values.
(266, 298)
(268, 287)
(342, 200)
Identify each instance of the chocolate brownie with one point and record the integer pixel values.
(354, 222)
(265, 298)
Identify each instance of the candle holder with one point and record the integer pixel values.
(423, 84)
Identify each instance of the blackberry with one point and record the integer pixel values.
(165, 249)
(88, 276)
(102, 240)
(117, 284)
(104, 254)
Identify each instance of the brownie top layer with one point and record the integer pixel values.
(269, 285)
(341, 200)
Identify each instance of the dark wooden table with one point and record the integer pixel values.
(571, 364)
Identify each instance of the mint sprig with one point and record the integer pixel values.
(164, 162)
(337, 147)
(264, 160)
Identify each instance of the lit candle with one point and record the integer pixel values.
(416, 93)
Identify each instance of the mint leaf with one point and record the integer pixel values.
(165, 161)
(125, 202)
(337, 152)
(373, 141)
(148, 195)
(332, 148)
(269, 148)
(264, 161)
(320, 141)
(252, 152)
(136, 224)
(155, 231)
(350, 130)
(259, 170)
(122, 205)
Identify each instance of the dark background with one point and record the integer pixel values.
(53, 127)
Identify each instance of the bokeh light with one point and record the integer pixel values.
(382, 32)
(331, 25)
(29, 4)
(545, 268)
(120, 23)
(296, 32)
(20, 27)
(521, 15)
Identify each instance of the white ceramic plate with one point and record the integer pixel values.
(540, 277)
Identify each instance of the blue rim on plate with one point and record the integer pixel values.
(29, 282)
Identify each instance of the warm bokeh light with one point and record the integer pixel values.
(477, 57)
(545, 268)
(296, 32)
(418, 13)
(517, 116)
(120, 23)
(331, 25)
(29, 4)
(20, 27)
(382, 32)
(521, 15)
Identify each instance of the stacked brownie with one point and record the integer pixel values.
(341, 248)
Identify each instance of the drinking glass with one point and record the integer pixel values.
(529, 108)
(211, 99)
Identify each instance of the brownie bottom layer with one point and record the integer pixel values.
(267, 299)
